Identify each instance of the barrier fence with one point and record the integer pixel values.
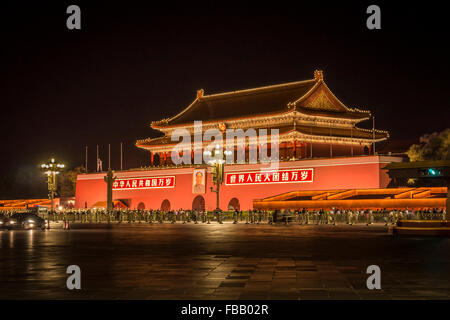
(248, 217)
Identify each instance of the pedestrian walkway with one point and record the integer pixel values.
(227, 261)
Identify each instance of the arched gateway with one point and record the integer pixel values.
(141, 206)
(198, 203)
(234, 204)
(165, 205)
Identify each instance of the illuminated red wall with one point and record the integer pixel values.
(332, 173)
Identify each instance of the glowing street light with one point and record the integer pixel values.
(217, 162)
(51, 169)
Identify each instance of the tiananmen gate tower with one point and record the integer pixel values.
(320, 145)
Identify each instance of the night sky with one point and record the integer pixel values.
(135, 62)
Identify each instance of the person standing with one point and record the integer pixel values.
(349, 217)
(235, 216)
(195, 216)
(219, 216)
(161, 216)
(183, 216)
(330, 215)
(150, 216)
(203, 216)
(370, 218)
(336, 215)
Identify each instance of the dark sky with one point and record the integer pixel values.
(135, 62)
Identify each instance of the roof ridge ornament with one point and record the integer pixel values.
(292, 106)
(200, 93)
(318, 75)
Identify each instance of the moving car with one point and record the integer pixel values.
(3, 220)
(25, 221)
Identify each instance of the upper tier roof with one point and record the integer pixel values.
(325, 132)
(311, 97)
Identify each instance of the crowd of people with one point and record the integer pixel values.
(367, 216)
(303, 216)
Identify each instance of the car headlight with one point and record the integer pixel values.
(1, 222)
(12, 222)
(30, 221)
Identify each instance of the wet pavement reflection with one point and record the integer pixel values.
(223, 262)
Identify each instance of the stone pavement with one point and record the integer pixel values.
(223, 262)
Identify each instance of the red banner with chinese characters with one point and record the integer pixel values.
(144, 183)
(260, 177)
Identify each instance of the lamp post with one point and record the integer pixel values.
(217, 163)
(51, 169)
(109, 179)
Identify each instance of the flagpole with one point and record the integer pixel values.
(121, 156)
(351, 130)
(97, 160)
(331, 144)
(373, 133)
(86, 168)
(109, 156)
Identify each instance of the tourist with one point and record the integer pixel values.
(349, 217)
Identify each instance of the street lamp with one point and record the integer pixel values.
(51, 169)
(217, 162)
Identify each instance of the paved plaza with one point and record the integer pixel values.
(212, 261)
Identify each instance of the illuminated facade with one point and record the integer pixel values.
(311, 121)
(388, 198)
(320, 147)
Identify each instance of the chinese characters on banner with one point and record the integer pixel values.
(258, 177)
(144, 183)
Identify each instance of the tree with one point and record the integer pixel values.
(435, 146)
(68, 181)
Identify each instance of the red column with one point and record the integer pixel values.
(246, 154)
(295, 149)
(251, 149)
(151, 159)
(300, 148)
(263, 150)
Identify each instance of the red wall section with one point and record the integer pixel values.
(331, 173)
(90, 191)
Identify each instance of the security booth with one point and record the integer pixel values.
(425, 173)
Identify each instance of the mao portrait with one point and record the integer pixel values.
(198, 181)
